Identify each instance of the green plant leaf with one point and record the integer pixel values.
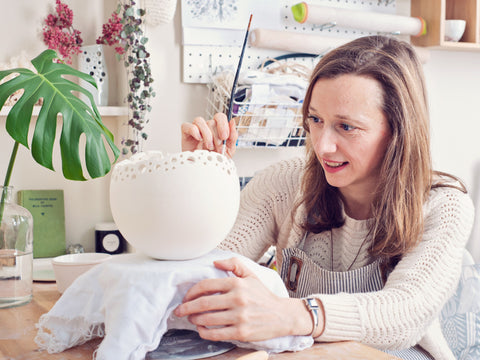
(77, 118)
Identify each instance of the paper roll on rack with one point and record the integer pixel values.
(360, 20)
(294, 42)
(305, 43)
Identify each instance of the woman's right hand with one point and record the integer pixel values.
(209, 135)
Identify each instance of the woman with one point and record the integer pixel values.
(368, 236)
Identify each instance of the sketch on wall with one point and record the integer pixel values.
(216, 12)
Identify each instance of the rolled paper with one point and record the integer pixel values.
(293, 41)
(360, 20)
(305, 43)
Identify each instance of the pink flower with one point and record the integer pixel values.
(111, 33)
(60, 35)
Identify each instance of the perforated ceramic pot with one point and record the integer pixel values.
(175, 206)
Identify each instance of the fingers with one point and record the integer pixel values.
(210, 135)
(222, 126)
(207, 295)
(205, 131)
(231, 142)
(223, 333)
(190, 130)
(221, 129)
(208, 287)
(234, 265)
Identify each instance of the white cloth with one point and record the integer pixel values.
(129, 300)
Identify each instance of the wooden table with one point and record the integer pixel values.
(17, 331)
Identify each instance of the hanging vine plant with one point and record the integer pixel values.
(125, 32)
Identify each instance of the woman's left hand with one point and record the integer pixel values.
(240, 308)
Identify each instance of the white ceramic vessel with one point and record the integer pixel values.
(454, 29)
(68, 267)
(175, 206)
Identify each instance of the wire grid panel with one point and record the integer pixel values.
(259, 124)
(200, 61)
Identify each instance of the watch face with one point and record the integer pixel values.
(111, 242)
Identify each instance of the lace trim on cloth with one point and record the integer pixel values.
(64, 337)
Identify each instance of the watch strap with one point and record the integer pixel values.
(313, 307)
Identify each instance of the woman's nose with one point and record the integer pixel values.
(326, 142)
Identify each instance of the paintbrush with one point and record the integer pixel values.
(235, 80)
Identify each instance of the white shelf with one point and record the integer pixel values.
(104, 110)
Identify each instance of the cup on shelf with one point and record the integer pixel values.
(454, 29)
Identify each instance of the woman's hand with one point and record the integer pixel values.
(209, 135)
(242, 308)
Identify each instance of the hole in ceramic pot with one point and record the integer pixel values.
(174, 160)
(191, 159)
(220, 158)
(142, 168)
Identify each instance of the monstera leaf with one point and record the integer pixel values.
(77, 119)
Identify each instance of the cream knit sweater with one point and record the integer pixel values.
(406, 311)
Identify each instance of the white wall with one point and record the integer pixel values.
(453, 80)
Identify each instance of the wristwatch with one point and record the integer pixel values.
(312, 307)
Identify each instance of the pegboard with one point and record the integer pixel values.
(207, 51)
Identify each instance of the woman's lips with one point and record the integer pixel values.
(334, 166)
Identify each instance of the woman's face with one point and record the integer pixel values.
(349, 132)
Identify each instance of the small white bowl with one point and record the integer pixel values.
(68, 267)
(454, 29)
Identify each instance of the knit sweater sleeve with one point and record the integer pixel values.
(265, 204)
(398, 315)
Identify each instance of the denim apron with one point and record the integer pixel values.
(303, 277)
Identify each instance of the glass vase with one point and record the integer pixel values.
(16, 251)
(92, 61)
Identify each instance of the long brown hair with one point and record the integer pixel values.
(406, 175)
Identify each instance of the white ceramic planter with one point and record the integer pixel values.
(175, 206)
(92, 61)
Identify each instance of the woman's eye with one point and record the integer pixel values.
(347, 127)
(313, 119)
